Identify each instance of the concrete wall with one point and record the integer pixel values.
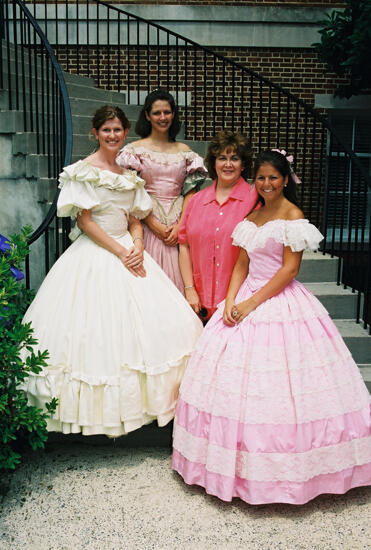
(22, 201)
(209, 25)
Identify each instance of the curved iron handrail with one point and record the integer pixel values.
(68, 117)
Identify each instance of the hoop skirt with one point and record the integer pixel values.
(168, 177)
(118, 344)
(273, 409)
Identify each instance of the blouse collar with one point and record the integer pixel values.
(238, 191)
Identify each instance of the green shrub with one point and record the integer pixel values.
(346, 44)
(21, 425)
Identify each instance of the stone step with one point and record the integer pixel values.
(317, 267)
(10, 121)
(87, 106)
(82, 91)
(41, 69)
(37, 166)
(356, 338)
(340, 303)
(366, 374)
(79, 106)
(98, 96)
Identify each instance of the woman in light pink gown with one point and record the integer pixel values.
(172, 173)
(272, 407)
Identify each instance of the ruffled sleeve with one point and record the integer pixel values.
(142, 203)
(77, 183)
(242, 233)
(297, 234)
(128, 158)
(301, 235)
(196, 172)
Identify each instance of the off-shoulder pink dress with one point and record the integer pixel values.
(273, 409)
(164, 174)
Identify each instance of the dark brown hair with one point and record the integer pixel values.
(143, 126)
(108, 112)
(282, 165)
(231, 141)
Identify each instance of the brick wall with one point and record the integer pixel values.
(297, 71)
(225, 98)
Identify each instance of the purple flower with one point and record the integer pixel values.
(4, 244)
(5, 248)
(17, 274)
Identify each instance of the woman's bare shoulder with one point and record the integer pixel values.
(138, 143)
(181, 147)
(294, 213)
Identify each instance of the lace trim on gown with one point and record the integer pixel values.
(294, 467)
(297, 234)
(172, 215)
(195, 176)
(160, 157)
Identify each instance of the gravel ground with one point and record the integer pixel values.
(102, 494)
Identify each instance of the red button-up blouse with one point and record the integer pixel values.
(207, 228)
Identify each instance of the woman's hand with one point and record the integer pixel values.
(243, 309)
(193, 299)
(228, 318)
(172, 238)
(133, 261)
(159, 229)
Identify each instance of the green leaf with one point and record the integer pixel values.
(21, 424)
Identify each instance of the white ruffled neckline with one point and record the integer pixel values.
(83, 170)
(276, 220)
(161, 157)
(298, 234)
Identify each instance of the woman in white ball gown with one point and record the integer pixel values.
(118, 331)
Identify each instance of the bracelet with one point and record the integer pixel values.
(135, 238)
(189, 286)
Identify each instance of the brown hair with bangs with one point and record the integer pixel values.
(109, 112)
(229, 141)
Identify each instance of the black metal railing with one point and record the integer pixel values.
(131, 55)
(33, 87)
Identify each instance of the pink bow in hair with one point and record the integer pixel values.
(290, 160)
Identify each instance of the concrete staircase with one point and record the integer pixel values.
(85, 99)
(318, 273)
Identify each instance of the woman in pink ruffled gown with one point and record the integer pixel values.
(272, 407)
(172, 173)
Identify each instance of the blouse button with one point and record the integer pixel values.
(217, 229)
(221, 214)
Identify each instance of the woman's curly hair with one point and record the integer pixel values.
(230, 141)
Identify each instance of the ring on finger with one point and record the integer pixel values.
(234, 313)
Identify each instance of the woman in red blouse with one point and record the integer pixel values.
(206, 254)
